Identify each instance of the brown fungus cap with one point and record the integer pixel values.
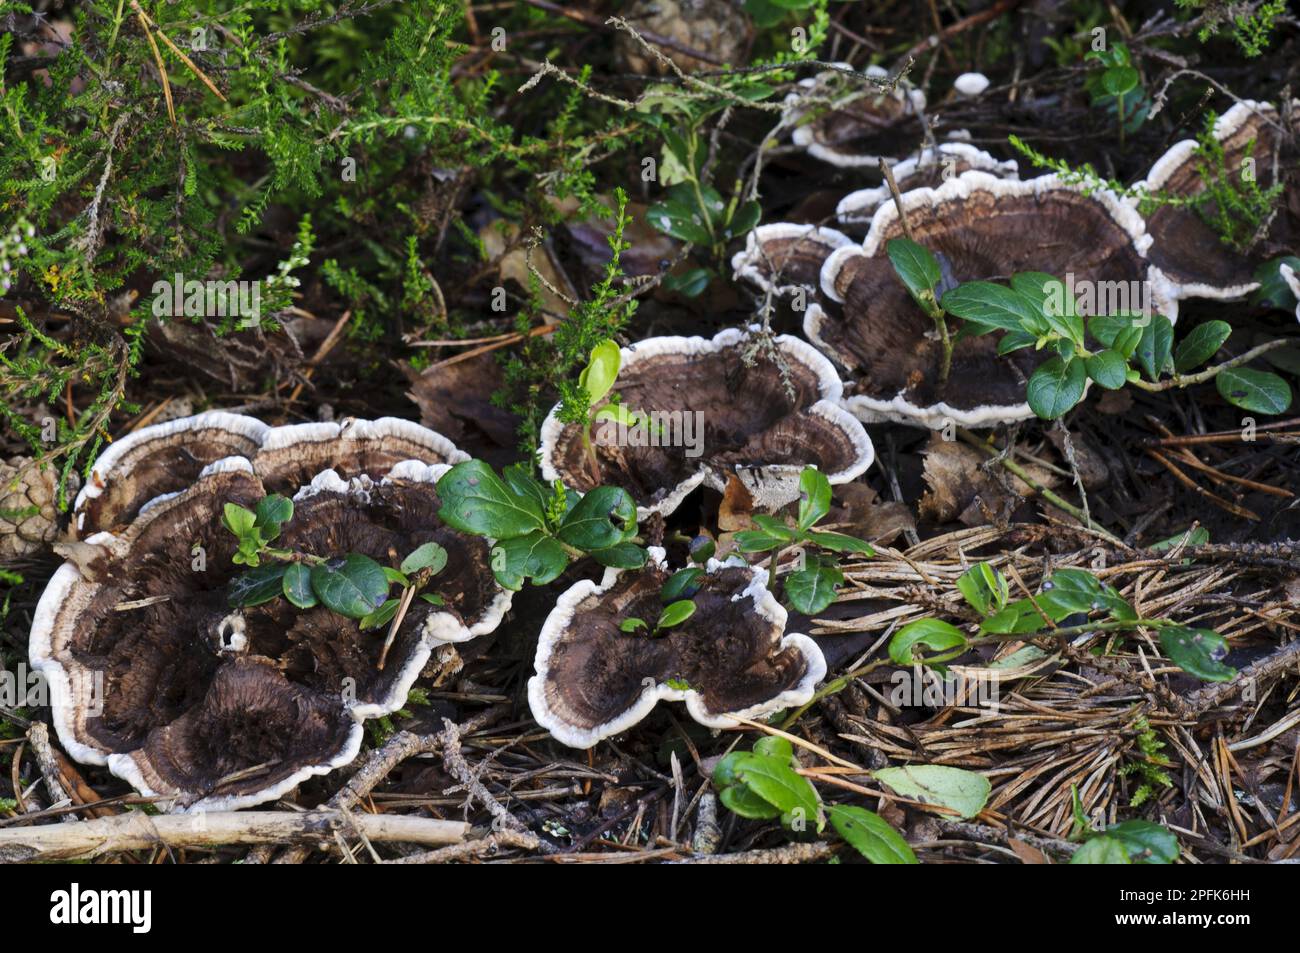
(861, 131)
(731, 659)
(927, 169)
(722, 407)
(167, 457)
(1186, 252)
(154, 674)
(162, 458)
(786, 256)
(978, 227)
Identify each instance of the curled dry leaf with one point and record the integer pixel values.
(962, 488)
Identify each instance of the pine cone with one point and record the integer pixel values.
(28, 514)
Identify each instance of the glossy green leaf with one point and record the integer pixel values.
(870, 835)
(296, 586)
(775, 781)
(272, 511)
(682, 584)
(746, 217)
(994, 306)
(598, 377)
(477, 501)
(680, 216)
(810, 591)
(427, 556)
(984, 588)
(257, 585)
(774, 527)
(690, 284)
(1197, 536)
(702, 549)
(934, 634)
(536, 556)
(814, 497)
(1055, 387)
(1019, 618)
(238, 520)
(760, 541)
(917, 268)
(839, 542)
(354, 586)
(381, 616)
(1197, 652)
(774, 746)
(675, 614)
(1107, 368)
(1101, 850)
(632, 624)
(1274, 291)
(1053, 301)
(739, 799)
(1068, 591)
(1200, 345)
(1119, 80)
(1257, 391)
(599, 520)
(519, 477)
(1015, 341)
(1155, 348)
(1145, 842)
(621, 556)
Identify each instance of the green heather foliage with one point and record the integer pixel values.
(332, 116)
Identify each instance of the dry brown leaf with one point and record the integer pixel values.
(456, 401)
(867, 517)
(513, 266)
(1027, 853)
(1116, 403)
(961, 489)
(737, 507)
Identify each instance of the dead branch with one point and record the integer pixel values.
(81, 840)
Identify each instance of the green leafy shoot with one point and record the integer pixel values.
(595, 382)
(693, 210)
(919, 271)
(256, 529)
(1117, 89)
(1127, 842)
(673, 614)
(677, 595)
(1111, 350)
(764, 784)
(1148, 763)
(811, 588)
(353, 584)
(1070, 603)
(537, 530)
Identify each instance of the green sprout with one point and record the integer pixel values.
(811, 588)
(1039, 310)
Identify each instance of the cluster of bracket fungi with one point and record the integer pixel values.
(208, 707)
(982, 221)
